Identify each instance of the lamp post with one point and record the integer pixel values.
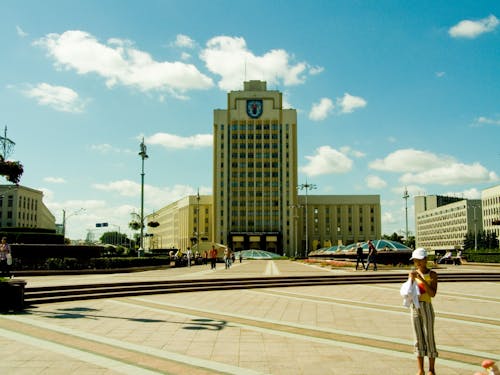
(295, 218)
(307, 187)
(198, 220)
(475, 228)
(405, 197)
(64, 218)
(143, 156)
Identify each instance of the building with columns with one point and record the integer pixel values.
(490, 199)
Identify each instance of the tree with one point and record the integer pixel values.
(114, 238)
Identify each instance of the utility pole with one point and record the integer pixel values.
(405, 197)
(143, 154)
(307, 187)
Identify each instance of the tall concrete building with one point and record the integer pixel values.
(490, 199)
(255, 170)
(21, 206)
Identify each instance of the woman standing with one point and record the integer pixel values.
(4, 254)
(423, 315)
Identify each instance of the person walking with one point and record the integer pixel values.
(423, 315)
(227, 257)
(359, 256)
(5, 254)
(189, 255)
(372, 256)
(213, 257)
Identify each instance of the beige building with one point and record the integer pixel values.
(23, 207)
(442, 223)
(490, 199)
(255, 169)
(255, 202)
(179, 223)
(337, 220)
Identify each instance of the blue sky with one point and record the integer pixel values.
(389, 94)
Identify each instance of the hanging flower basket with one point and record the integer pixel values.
(134, 225)
(153, 224)
(12, 170)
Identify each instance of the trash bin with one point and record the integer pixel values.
(12, 295)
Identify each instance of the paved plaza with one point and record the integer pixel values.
(341, 329)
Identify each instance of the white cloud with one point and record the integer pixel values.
(453, 174)
(486, 120)
(349, 103)
(230, 58)
(155, 197)
(106, 148)
(472, 29)
(321, 110)
(440, 74)
(346, 150)
(174, 141)
(60, 98)
(119, 63)
(466, 194)
(375, 182)
(184, 41)
(410, 160)
(55, 180)
(185, 56)
(327, 161)
(21, 32)
(421, 167)
(316, 70)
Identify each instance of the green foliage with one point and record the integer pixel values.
(485, 240)
(114, 238)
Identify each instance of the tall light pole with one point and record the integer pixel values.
(64, 218)
(295, 218)
(475, 228)
(143, 156)
(405, 197)
(198, 220)
(307, 187)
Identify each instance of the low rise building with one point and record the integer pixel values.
(23, 207)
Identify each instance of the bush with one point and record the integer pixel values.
(482, 256)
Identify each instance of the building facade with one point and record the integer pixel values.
(23, 207)
(490, 199)
(255, 170)
(329, 220)
(442, 223)
(181, 225)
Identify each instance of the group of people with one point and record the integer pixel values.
(372, 256)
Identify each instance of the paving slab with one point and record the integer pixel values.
(341, 329)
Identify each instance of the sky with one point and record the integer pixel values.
(390, 95)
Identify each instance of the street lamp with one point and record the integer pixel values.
(143, 156)
(307, 187)
(295, 218)
(64, 218)
(475, 227)
(405, 197)
(198, 220)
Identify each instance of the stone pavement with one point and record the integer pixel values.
(345, 329)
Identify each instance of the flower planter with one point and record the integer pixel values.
(12, 295)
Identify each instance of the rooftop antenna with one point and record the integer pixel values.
(6, 145)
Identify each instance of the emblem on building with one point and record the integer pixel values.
(254, 108)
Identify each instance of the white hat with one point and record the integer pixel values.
(419, 253)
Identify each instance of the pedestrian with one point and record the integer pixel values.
(423, 315)
(359, 256)
(227, 257)
(372, 256)
(241, 256)
(213, 257)
(5, 258)
(189, 254)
